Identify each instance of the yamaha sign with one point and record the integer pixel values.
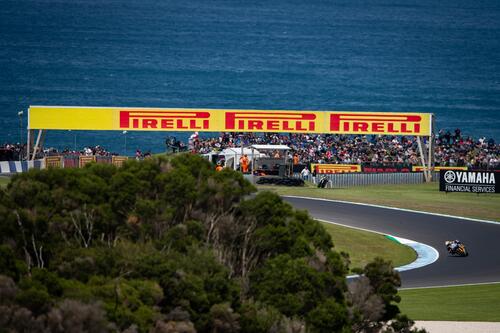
(469, 181)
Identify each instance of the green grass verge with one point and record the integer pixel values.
(422, 197)
(4, 181)
(464, 303)
(364, 246)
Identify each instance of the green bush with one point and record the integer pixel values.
(35, 299)
(9, 265)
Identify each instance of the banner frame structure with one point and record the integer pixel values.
(45, 118)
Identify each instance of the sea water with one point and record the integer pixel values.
(441, 57)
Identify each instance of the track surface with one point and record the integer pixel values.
(481, 239)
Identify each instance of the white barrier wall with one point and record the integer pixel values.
(20, 166)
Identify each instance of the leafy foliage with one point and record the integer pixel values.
(170, 245)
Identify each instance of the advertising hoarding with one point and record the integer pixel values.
(419, 168)
(469, 181)
(335, 168)
(384, 123)
(223, 120)
(390, 168)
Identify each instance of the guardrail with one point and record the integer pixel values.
(8, 167)
(343, 180)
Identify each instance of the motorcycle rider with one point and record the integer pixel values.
(453, 245)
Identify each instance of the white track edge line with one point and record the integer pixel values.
(396, 208)
(348, 226)
(452, 285)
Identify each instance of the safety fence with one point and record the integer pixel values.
(343, 180)
(9, 167)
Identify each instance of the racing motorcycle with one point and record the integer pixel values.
(458, 250)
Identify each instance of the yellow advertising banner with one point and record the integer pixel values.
(85, 160)
(419, 168)
(384, 123)
(221, 120)
(53, 161)
(119, 160)
(335, 168)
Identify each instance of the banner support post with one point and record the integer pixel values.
(39, 143)
(430, 159)
(28, 144)
(422, 158)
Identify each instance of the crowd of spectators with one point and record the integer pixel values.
(174, 145)
(16, 152)
(457, 150)
(12, 151)
(86, 151)
(451, 149)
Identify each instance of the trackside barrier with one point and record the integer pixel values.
(7, 167)
(85, 160)
(335, 168)
(70, 161)
(435, 176)
(343, 180)
(103, 159)
(53, 161)
(419, 168)
(118, 160)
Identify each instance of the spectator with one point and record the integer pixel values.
(305, 173)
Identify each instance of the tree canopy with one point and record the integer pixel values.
(170, 245)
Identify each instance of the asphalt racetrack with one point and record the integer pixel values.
(482, 240)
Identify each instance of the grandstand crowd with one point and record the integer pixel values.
(450, 148)
(12, 151)
(16, 152)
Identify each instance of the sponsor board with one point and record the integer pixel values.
(85, 160)
(164, 120)
(53, 161)
(272, 121)
(222, 120)
(469, 181)
(119, 160)
(369, 168)
(335, 168)
(419, 168)
(386, 123)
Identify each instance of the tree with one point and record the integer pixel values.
(291, 286)
(328, 316)
(257, 317)
(73, 316)
(9, 265)
(384, 280)
(366, 308)
(224, 319)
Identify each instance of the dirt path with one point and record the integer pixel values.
(458, 326)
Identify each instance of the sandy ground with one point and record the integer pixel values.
(458, 326)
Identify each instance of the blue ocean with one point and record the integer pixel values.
(441, 57)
